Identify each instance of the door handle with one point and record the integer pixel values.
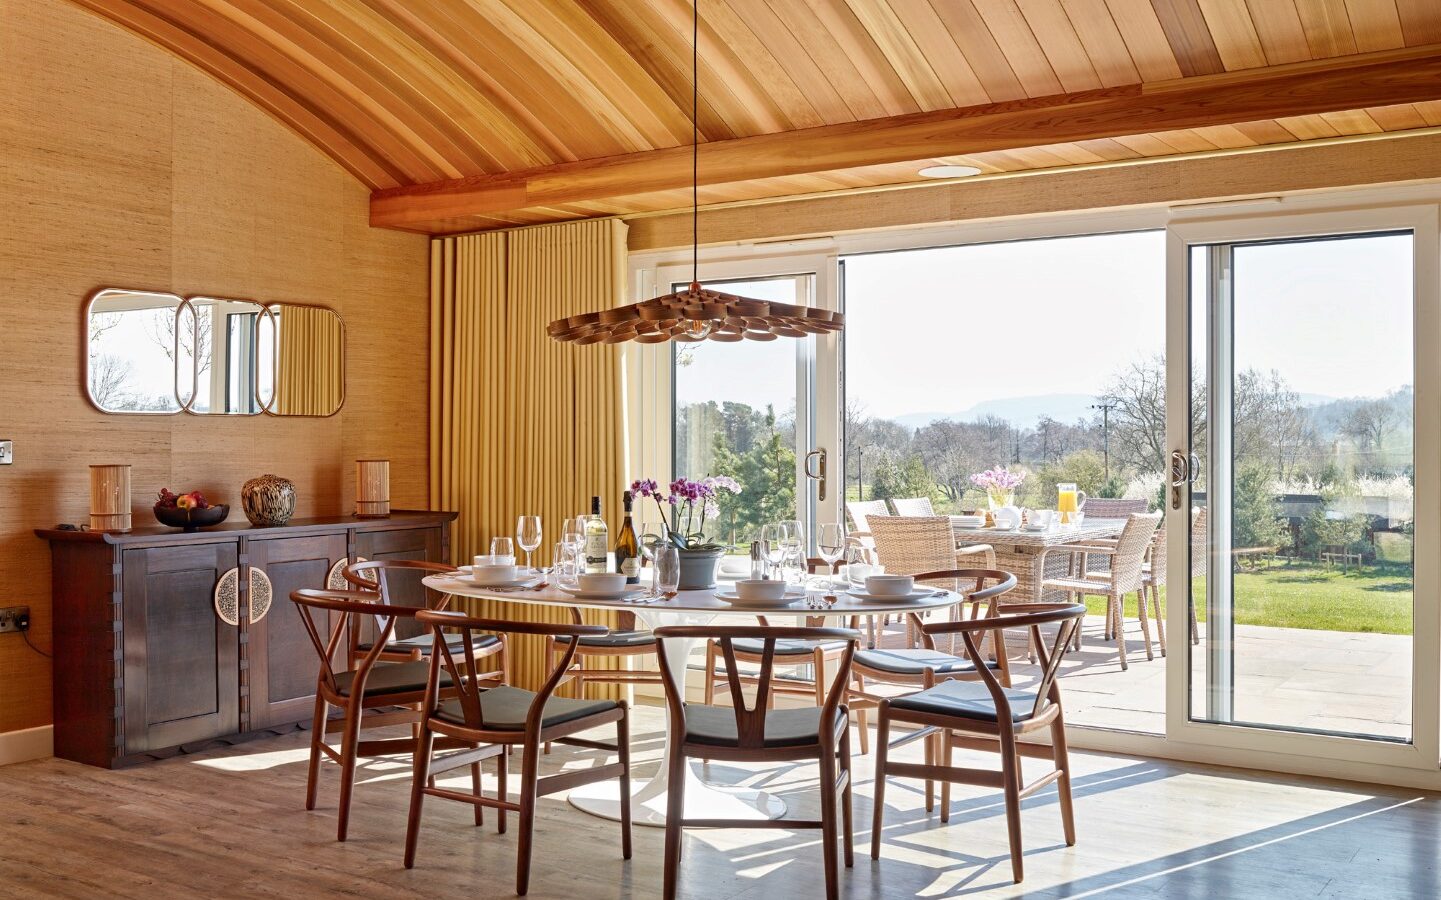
(1185, 469)
(819, 473)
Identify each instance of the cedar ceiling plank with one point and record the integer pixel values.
(1293, 93)
(1278, 24)
(1420, 21)
(1234, 34)
(1058, 38)
(295, 111)
(941, 52)
(899, 48)
(1328, 27)
(1189, 37)
(861, 50)
(1145, 39)
(1265, 131)
(824, 50)
(980, 48)
(738, 28)
(1397, 118)
(1110, 57)
(1014, 36)
(1352, 121)
(1376, 24)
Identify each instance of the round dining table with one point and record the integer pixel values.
(702, 801)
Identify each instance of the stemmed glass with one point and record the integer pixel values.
(831, 543)
(528, 534)
(794, 538)
(773, 544)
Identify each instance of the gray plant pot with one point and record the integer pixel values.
(698, 568)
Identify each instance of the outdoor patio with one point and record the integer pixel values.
(1320, 680)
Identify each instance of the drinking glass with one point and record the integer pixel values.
(501, 546)
(528, 535)
(564, 558)
(667, 568)
(858, 566)
(650, 542)
(773, 545)
(574, 539)
(831, 542)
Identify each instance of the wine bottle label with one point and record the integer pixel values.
(630, 567)
(595, 552)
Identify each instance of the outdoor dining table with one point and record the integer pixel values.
(702, 801)
(1023, 553)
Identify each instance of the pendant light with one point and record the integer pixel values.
(696, 313)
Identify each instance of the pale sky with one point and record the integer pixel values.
(940, 330)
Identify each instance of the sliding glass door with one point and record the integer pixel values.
(1295, 501)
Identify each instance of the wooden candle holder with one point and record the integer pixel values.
(110, 497)
(372, 488)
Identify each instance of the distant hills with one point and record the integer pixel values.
(1025, 412)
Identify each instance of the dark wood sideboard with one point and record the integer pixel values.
(146, 667)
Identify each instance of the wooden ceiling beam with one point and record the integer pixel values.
(1331, 85)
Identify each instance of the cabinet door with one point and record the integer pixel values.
(282, 663)
(409, 543)
(182, 661)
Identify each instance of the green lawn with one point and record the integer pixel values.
(1374, 598)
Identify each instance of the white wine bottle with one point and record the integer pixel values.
(627, 548)
(597, 540)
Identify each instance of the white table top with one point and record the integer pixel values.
(695, 601)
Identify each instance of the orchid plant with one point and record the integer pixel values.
(691, 502)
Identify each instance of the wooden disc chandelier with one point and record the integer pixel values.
(696, 313)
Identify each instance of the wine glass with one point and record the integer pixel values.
(831, 543)
(794, 536)
(528, 534)
(501, 547)
(773, 545)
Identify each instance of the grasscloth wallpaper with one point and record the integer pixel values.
(121, 165)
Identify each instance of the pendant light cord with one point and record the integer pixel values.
(695, 142)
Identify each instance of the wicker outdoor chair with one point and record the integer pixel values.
(913, 506)
(913, 545)
(1127, 555)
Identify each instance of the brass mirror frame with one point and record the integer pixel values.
(88, 371)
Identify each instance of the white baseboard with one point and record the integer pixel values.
(27, 744)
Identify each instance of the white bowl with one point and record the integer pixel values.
(601, 582)
(494, 574)
(890, 585)
(488, 560)
(759, 589)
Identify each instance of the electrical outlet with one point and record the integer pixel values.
(7, 452)
(11, 616)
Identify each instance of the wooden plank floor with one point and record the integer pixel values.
(230, 822)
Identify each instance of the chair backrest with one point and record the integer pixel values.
(913, 506)
(1049, 653)
(751, 721)
(1131, 549)
(398, 582)
(912, 545)
(470, 680)
(862, 511)
(1114, 508)
(329, 615)
(1156, 555)
(1198, 543)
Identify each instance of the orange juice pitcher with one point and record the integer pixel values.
(1069, 502)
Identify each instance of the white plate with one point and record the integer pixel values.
(792, 595)
(580, 594)
(917, 594)
(525, 581)
(521, 569)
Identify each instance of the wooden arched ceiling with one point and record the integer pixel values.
(421, 92)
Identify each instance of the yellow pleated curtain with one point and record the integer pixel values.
(521, 424)
(310, 369)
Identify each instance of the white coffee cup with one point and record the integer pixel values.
(493, 574)
(890, 585)
(1040, 518)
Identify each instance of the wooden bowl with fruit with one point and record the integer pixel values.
(189, 511)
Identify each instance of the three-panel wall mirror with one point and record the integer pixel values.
(152, 353)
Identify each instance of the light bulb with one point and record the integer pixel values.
(697, 329)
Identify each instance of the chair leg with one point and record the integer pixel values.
(1145, 622)
(1195, 632)
(848, 835)
(674, 822)
(530, 764)
(1011, 780)
(317, 737)
(947, 746)
(1061, 754)
(475, 787)
(819, 675)
(931, 746)
(883, 748)
(622, 743)
(348, 752)
(1160, 617)
(828, 820)
(709, 673)
(861, 722)
(1118, 628)
(502, 767)
(419, 779)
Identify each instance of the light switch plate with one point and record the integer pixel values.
(7, 452)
